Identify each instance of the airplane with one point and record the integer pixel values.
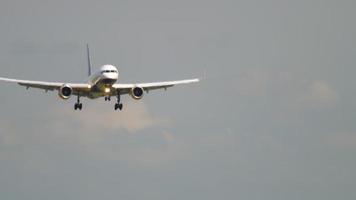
(102, 83)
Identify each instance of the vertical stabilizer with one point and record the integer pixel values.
(89, 63)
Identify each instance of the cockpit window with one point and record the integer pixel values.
(109, 71)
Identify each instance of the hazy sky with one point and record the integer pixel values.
(274, 119)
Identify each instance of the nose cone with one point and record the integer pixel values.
(109, 73)
(114, 76)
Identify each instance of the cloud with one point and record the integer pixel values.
(319, 93)
(93, 130)
(96, 125)
(168, 137)
(97, 118)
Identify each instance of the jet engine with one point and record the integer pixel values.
(65, 91)
(136, 93)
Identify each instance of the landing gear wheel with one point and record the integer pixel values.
(118, 106)
(78, 105)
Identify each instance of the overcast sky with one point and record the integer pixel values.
(273, 119)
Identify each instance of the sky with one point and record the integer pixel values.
(273, 117)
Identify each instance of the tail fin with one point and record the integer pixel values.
(89, 64)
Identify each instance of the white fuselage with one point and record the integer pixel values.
(101, 81)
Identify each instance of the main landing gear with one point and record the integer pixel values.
(78, 105)
(118, 105)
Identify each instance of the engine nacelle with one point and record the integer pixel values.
(137, 93)
(65, 91)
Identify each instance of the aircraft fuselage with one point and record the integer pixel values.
(101, 81)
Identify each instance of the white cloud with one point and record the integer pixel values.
(319, 93)
(133, 118)
(91, 129)
(168, 136)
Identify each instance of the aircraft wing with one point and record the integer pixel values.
(125, 88)
(47, 85)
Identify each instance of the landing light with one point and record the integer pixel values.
(107, 90)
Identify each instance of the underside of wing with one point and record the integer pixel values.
(77, 87)
(126, 88)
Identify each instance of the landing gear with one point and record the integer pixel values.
(108, 98)
(118, 105)
(78, 105)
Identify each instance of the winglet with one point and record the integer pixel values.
(89, 63)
